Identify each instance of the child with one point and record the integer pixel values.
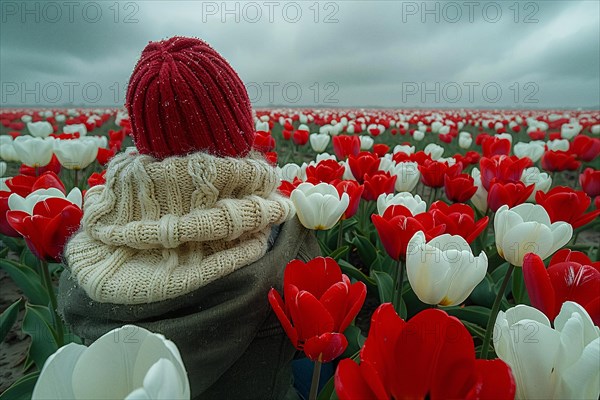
(189, 233)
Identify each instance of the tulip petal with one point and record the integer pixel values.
(162, 382)
(582, 380)
(538, 284)
(325, 347)
(278, 307)
(55, 381)
(528, 237)
(350, 383)
(497, 378)
(561, 234)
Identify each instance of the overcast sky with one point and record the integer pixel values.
(537, 54)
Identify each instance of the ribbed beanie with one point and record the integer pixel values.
(183, 97)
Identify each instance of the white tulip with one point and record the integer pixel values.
(76, 153)
(113, 367)
(40, 129)
(569, 131)
(347, 176)
(262, 126)
(60, 118)
(366, 142)
(26, 118)
(465, 142)
(434, 150)
(3, 186)
(444, 130)
(595, 129)
(541, 180)
(289, 172)
(34, 152)
(319, 207)
(415, 204)
(532, 150)
(387, 164)
(407, 174)
(550, 363)
(479, 199)
(406, 149)
(3, 167)
(7, 152)
(436, 126)
(26, 204)
(418, 135)
(81, 128)
(526, 228)
(422, 128)
(443, 271)
(558, 145)
(319, 141)
(325, 156)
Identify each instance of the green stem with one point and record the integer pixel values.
(75, 178)
(314, 386)
(58, 326)
(340, 238)
(398, 281)
(494, 313)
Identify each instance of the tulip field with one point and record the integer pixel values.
(460, 253)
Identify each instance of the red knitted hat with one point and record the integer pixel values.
(183, 97)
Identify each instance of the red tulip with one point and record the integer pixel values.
(509, 193)
(104, 155)
(431, 356)
(503, 168)
(355, 192)
(381, 149)
(364, 163)
(287, 187)
(377, 184)
(495, 146)
(537, 135)
(287, 135)
(97, 179)
(460, 188)
(397, 226)
(5, 227)
(117, 136)
(565, 204)
(345, 145)
(585, 148)
(271, 157)
(300, 137)
(325, 171)
(433, 172)
(590, 182)
(459, 220)
(549, 288)
(263, 141)
(559, 161)
(53, 166)
(48, 228)
(320, 303)
(446, 138)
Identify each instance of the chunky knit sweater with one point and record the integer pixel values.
(160, 229)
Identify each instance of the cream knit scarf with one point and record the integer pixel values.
(161, 229)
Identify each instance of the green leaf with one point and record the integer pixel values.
(324, 248)
(366, 250)
(518, 286)
(21, 389)
(27, 280)
(355, 341)
(475, 314)
(339, 253)
(8, 318)
(484, 293)
(14, 244)
(498, 273)
(4, 252)
(474, 329)
(37, 323)
(29, 259)
(328, 391)
(385, 286)
(355, 273)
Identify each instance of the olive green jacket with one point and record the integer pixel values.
(231, 343)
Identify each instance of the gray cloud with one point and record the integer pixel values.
(376, 54)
